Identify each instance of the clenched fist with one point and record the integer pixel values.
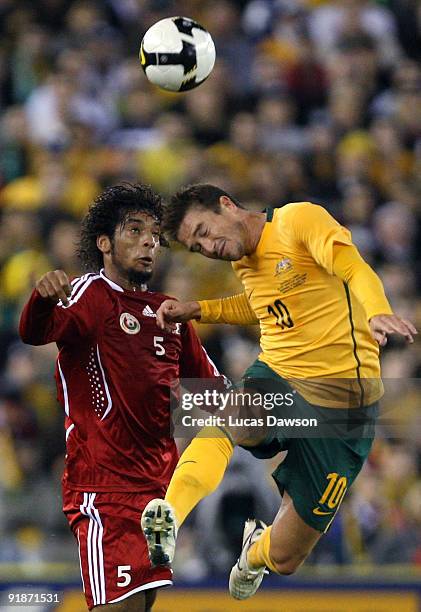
(171, 312)
(54, 285)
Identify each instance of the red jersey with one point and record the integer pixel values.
(114, 372)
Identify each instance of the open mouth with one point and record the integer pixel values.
(221, 248)
(145, 260)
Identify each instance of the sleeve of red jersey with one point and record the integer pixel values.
(43, 321)
(194, 361)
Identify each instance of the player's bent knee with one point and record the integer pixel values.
(287, 564)
(242, 436)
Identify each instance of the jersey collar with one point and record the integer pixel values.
(117, 287)
(269, 213)
(110, 282)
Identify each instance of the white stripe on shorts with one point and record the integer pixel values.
(94, 548)
(80, 561)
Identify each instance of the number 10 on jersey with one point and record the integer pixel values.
(281, 314)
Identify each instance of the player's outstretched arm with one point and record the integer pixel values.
(234, 310)
(368, 288)
(50, 316)
(331, 246)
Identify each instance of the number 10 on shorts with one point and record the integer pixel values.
(334, 491)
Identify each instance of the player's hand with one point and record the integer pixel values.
(54, 285)
(171, 312)
(382, 325)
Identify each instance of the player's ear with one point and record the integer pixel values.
(226, 202)
(104, 244)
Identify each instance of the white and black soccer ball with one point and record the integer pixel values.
(177, 54)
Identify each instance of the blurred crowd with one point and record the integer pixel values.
(309, 100)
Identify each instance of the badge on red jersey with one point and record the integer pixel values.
(129, 323)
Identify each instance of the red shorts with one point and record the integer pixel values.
(113, 555)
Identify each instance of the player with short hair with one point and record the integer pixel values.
(113, 372)
(322, 313)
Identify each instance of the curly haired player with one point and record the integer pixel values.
(113, 374)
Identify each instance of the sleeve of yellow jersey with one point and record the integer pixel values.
(331, 246)
(235, 310)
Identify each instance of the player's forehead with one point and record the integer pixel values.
(193, 221)
(140, 217)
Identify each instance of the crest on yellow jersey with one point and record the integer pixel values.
(285, 265)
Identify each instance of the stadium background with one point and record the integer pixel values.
(309, 100)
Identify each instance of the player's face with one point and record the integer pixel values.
(214, 235)
(135, 246)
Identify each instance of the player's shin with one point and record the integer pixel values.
(199, 471)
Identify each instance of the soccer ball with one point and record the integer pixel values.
(177, 54)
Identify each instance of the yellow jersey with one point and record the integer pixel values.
(313, 325)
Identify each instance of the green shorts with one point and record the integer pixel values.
(319, 467)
